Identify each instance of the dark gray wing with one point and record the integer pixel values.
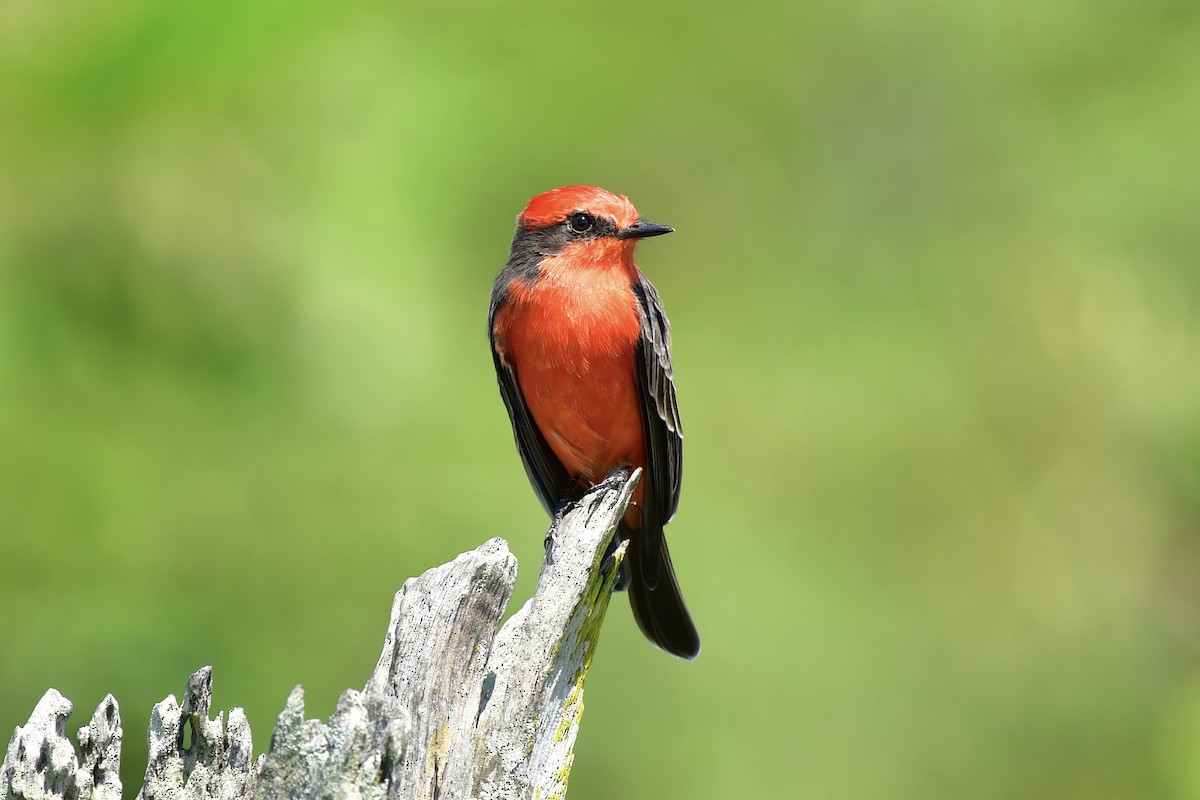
(546, 473)
(660, 420)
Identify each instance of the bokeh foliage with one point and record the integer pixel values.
(936, 297)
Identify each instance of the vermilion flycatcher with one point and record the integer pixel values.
(583, 355)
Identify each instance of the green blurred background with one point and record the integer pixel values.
(936, 300)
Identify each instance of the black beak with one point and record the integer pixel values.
(642, 229)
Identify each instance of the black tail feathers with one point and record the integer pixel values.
(660, 612)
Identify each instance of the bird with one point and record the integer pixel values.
(582, 349)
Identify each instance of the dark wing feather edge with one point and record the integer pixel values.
(660, 419)
(546, 473)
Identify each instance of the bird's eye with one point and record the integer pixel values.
(580, 222)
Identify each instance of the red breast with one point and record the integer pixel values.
(570, 336)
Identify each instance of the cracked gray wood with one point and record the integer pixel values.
(454, 708)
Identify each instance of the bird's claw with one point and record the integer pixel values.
(551, 540)
(614, 481)
(622, 580)
(617, 478)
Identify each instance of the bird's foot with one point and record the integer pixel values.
(617, 477)
(551, 541)
(613, 481)
(622, 581)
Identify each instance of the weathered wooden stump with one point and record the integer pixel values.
(454, 709)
